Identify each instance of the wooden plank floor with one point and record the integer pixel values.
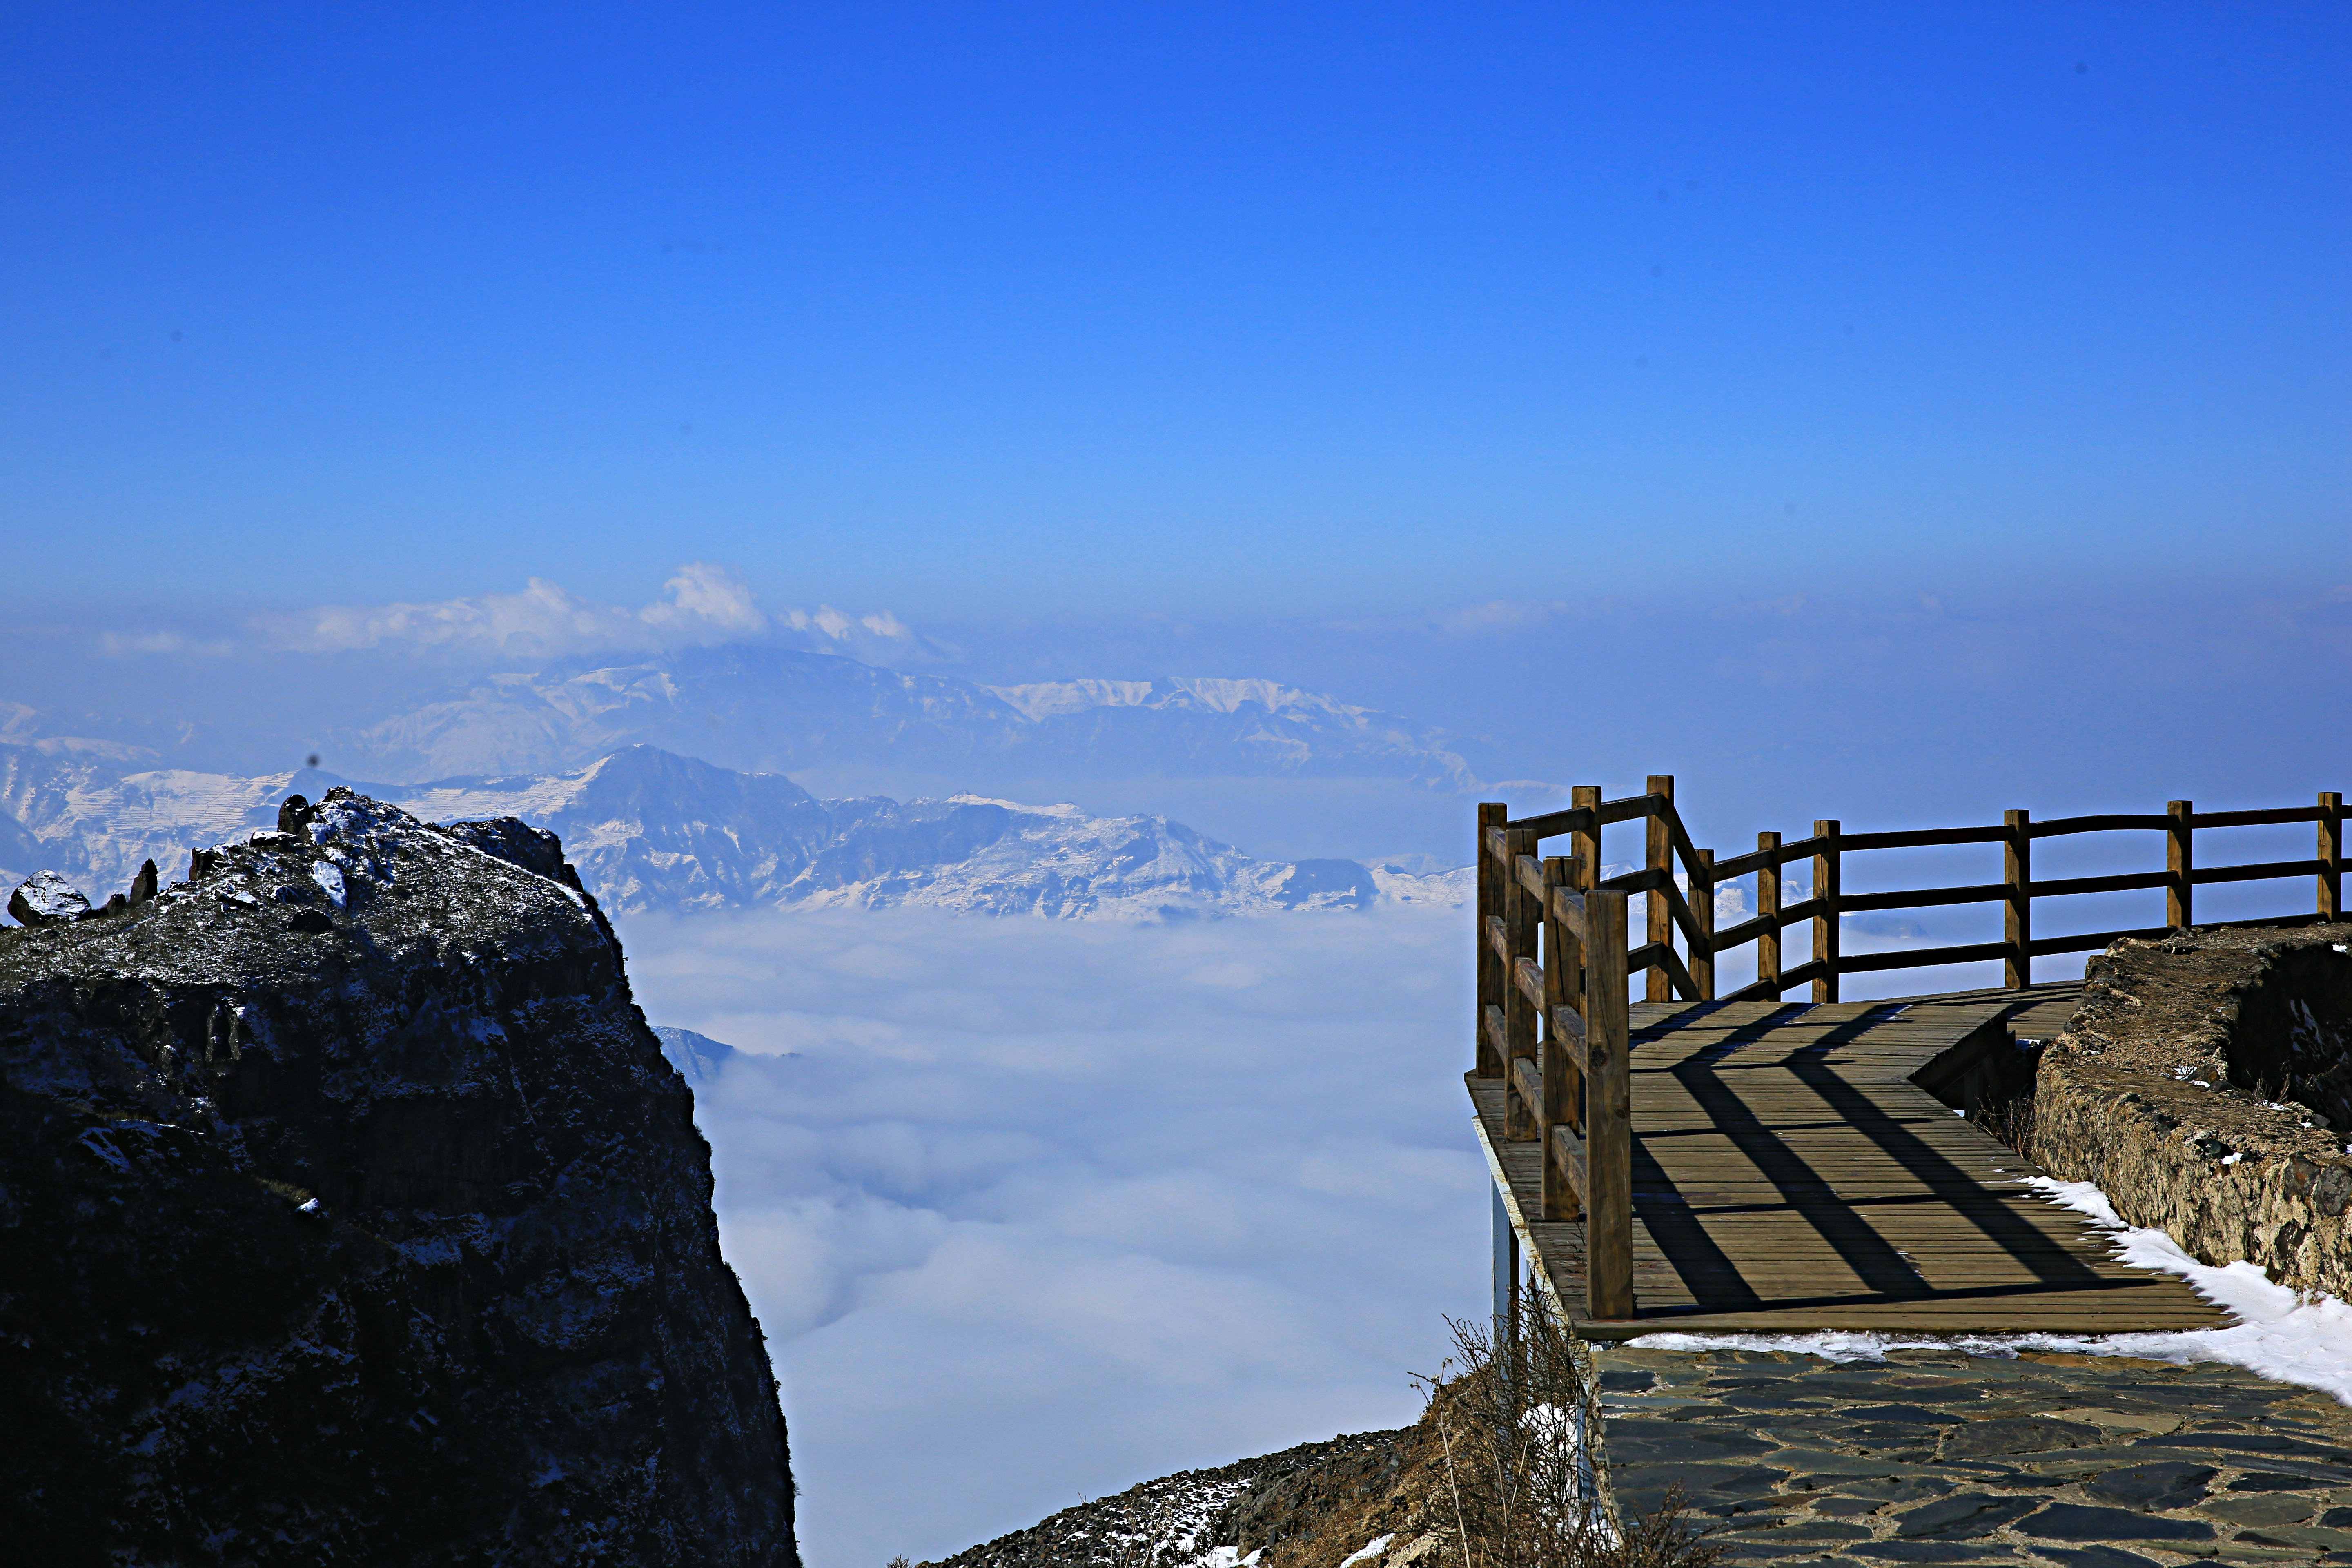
(1789, 1176)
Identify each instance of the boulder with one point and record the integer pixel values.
(47, 898)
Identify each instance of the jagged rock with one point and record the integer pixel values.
(348, 1212)
(292, 813)
(47, 898)
(144, 885)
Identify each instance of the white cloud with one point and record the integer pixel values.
(1494, 615)
(1043, 1210)
(701, 605)
(164, 641)
(703, 599)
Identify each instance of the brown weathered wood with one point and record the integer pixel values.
(2107, 822)
(2016, 913)
(1922, 897)
(1768, 912)
(1568, 1166)
(1631, 809)
(2120, 883)
(1551, 824)
(1658, 846)
(1661, 884)
(1563, 942)
(1529, 871)
(1563, 964)
(1492, 1033)
(1745, 931)
(2261, 872)
(1781, 854)
(1657, 958)
(2091, 942)
(1567, 905)
(1527, 1081)
(2263, 817)
(1491, 814)
(1678, 839)
(2180, 859)
(2330, 814)
(1528, 975)
(1702, 908)
(1921, 838)
(1922, 957)
(1721, 1240)
(1586, 843)
(1521, 925)
(1825, 923)
(1607, 1140)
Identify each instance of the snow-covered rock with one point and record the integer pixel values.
(47, 898)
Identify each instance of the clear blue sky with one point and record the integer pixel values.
(977, 309)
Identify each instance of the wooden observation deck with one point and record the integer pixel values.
(1750, 1164)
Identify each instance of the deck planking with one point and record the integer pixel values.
(1789, 1177)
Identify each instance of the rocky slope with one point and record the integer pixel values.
(2205, 1086)
(350, 1213)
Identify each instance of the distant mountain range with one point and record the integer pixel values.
(775, 710)
(755, 707)
(654, 831)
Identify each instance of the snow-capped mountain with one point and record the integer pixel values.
(775, 710)
(650, 830)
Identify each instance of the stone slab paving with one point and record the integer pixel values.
(1931, 1456)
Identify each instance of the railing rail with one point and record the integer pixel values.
(1556, 954)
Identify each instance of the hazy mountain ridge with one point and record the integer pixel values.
(773, 710)
(652, 831)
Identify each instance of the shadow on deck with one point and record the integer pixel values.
(1791, 1173)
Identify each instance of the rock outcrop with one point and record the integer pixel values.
(348, 1212)
(2205, 1085)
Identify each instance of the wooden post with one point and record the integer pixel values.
(1702, 903)
(2017, 875)
(1609, 1122)
(1825, 923)
(1586, 797)
(2180, 859)
(1659, 842)
(1563, 967)
(2331, 855)
(1767, 902)
(1491, 978)
(1521, 920)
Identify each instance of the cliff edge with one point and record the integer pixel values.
(350, 1213)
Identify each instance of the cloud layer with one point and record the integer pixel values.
(1036, 1212)
(700, 606)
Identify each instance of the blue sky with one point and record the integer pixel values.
(980, 311)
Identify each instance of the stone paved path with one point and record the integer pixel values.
(1936, 1457)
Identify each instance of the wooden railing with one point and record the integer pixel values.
(1556, 957)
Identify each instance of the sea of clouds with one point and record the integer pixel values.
(1031, 1211)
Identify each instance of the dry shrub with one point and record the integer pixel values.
(1518, 1474)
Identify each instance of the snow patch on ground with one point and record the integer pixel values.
(2300, 1340)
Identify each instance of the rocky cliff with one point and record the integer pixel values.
(350, 1213)
(2206, 1087)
